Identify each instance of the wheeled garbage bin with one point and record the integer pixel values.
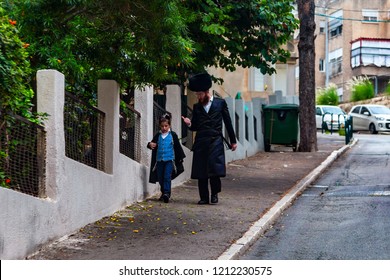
(280, 125)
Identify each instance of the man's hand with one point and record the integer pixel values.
(234, 146)
(187, 121)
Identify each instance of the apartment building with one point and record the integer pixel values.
(353, 39)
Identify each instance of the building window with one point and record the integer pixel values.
(370, 52)
(336, 65)
(322, 27)
(335, 62)
(256, 80)
(370, 15)
(340, 93)
(336, 24)
(321, 66)
(336, 31)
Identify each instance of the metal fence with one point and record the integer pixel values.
(158, 112)
(84, 132)
(237, 125)
(348, 129)
(129, 129)
(255, 127)
(187, 134)
(22, 156)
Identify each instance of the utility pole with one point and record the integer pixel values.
(326, 45)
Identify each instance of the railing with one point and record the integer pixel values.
(187, 134)
(129, 132)
(246, 127)
(84, 132)
(22, 156)
(344, 129)
(215, 93)
(255, 127)
(237, 126)
(325, 126)
(158, 112)
(348, 129)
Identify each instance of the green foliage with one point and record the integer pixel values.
(231, 33)
(361, 88)
(387, 91)
(327, 96)
(15, 96)
(133, 42)
(141, 42)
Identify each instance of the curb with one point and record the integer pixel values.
(260, 226)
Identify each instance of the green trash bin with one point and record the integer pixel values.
(280, 125)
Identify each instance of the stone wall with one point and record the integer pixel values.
(381, 99)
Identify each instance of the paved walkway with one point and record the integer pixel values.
(254, 193)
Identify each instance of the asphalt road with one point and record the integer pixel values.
(344, 215)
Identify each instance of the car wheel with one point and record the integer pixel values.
(372, 129)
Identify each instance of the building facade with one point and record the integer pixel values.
(353, 39)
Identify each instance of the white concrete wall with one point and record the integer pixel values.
(78, 194)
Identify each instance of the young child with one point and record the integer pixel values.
(167, 157)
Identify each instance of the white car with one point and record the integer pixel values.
(373, 118)
(332, 116)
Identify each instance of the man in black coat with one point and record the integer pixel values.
(209, 153)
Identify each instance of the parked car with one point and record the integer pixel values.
(332, 116)
(373, 118)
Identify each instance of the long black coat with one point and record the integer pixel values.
(209, 152)
(179, 156)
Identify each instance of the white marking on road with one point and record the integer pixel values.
(380, 193)
(319, 186)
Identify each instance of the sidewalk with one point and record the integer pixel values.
(255, 191)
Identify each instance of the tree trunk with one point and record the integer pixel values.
(308, 130)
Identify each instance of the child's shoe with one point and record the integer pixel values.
(165, 197)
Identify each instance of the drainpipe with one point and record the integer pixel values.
(326, 49)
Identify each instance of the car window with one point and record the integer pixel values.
(333, 110)
(364, 110)
(380, 110)
(356, 110)
(318, 111)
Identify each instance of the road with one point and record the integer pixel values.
(344, 215)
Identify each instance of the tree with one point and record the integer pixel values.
(150, 42)
(133, 42)
(15, 97)
(230, 33)
(308, 133)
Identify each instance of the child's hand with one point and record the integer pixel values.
(152, 145)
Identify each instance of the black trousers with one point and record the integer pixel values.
(203, 186)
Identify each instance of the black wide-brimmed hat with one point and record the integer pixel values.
(200, 82)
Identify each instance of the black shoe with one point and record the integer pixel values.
(201, 202)
(214, 198)
(161, 198)
(165, 197)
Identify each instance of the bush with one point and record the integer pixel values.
(387, 92)
(361, 88)
(15, 95)
(327, 96)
